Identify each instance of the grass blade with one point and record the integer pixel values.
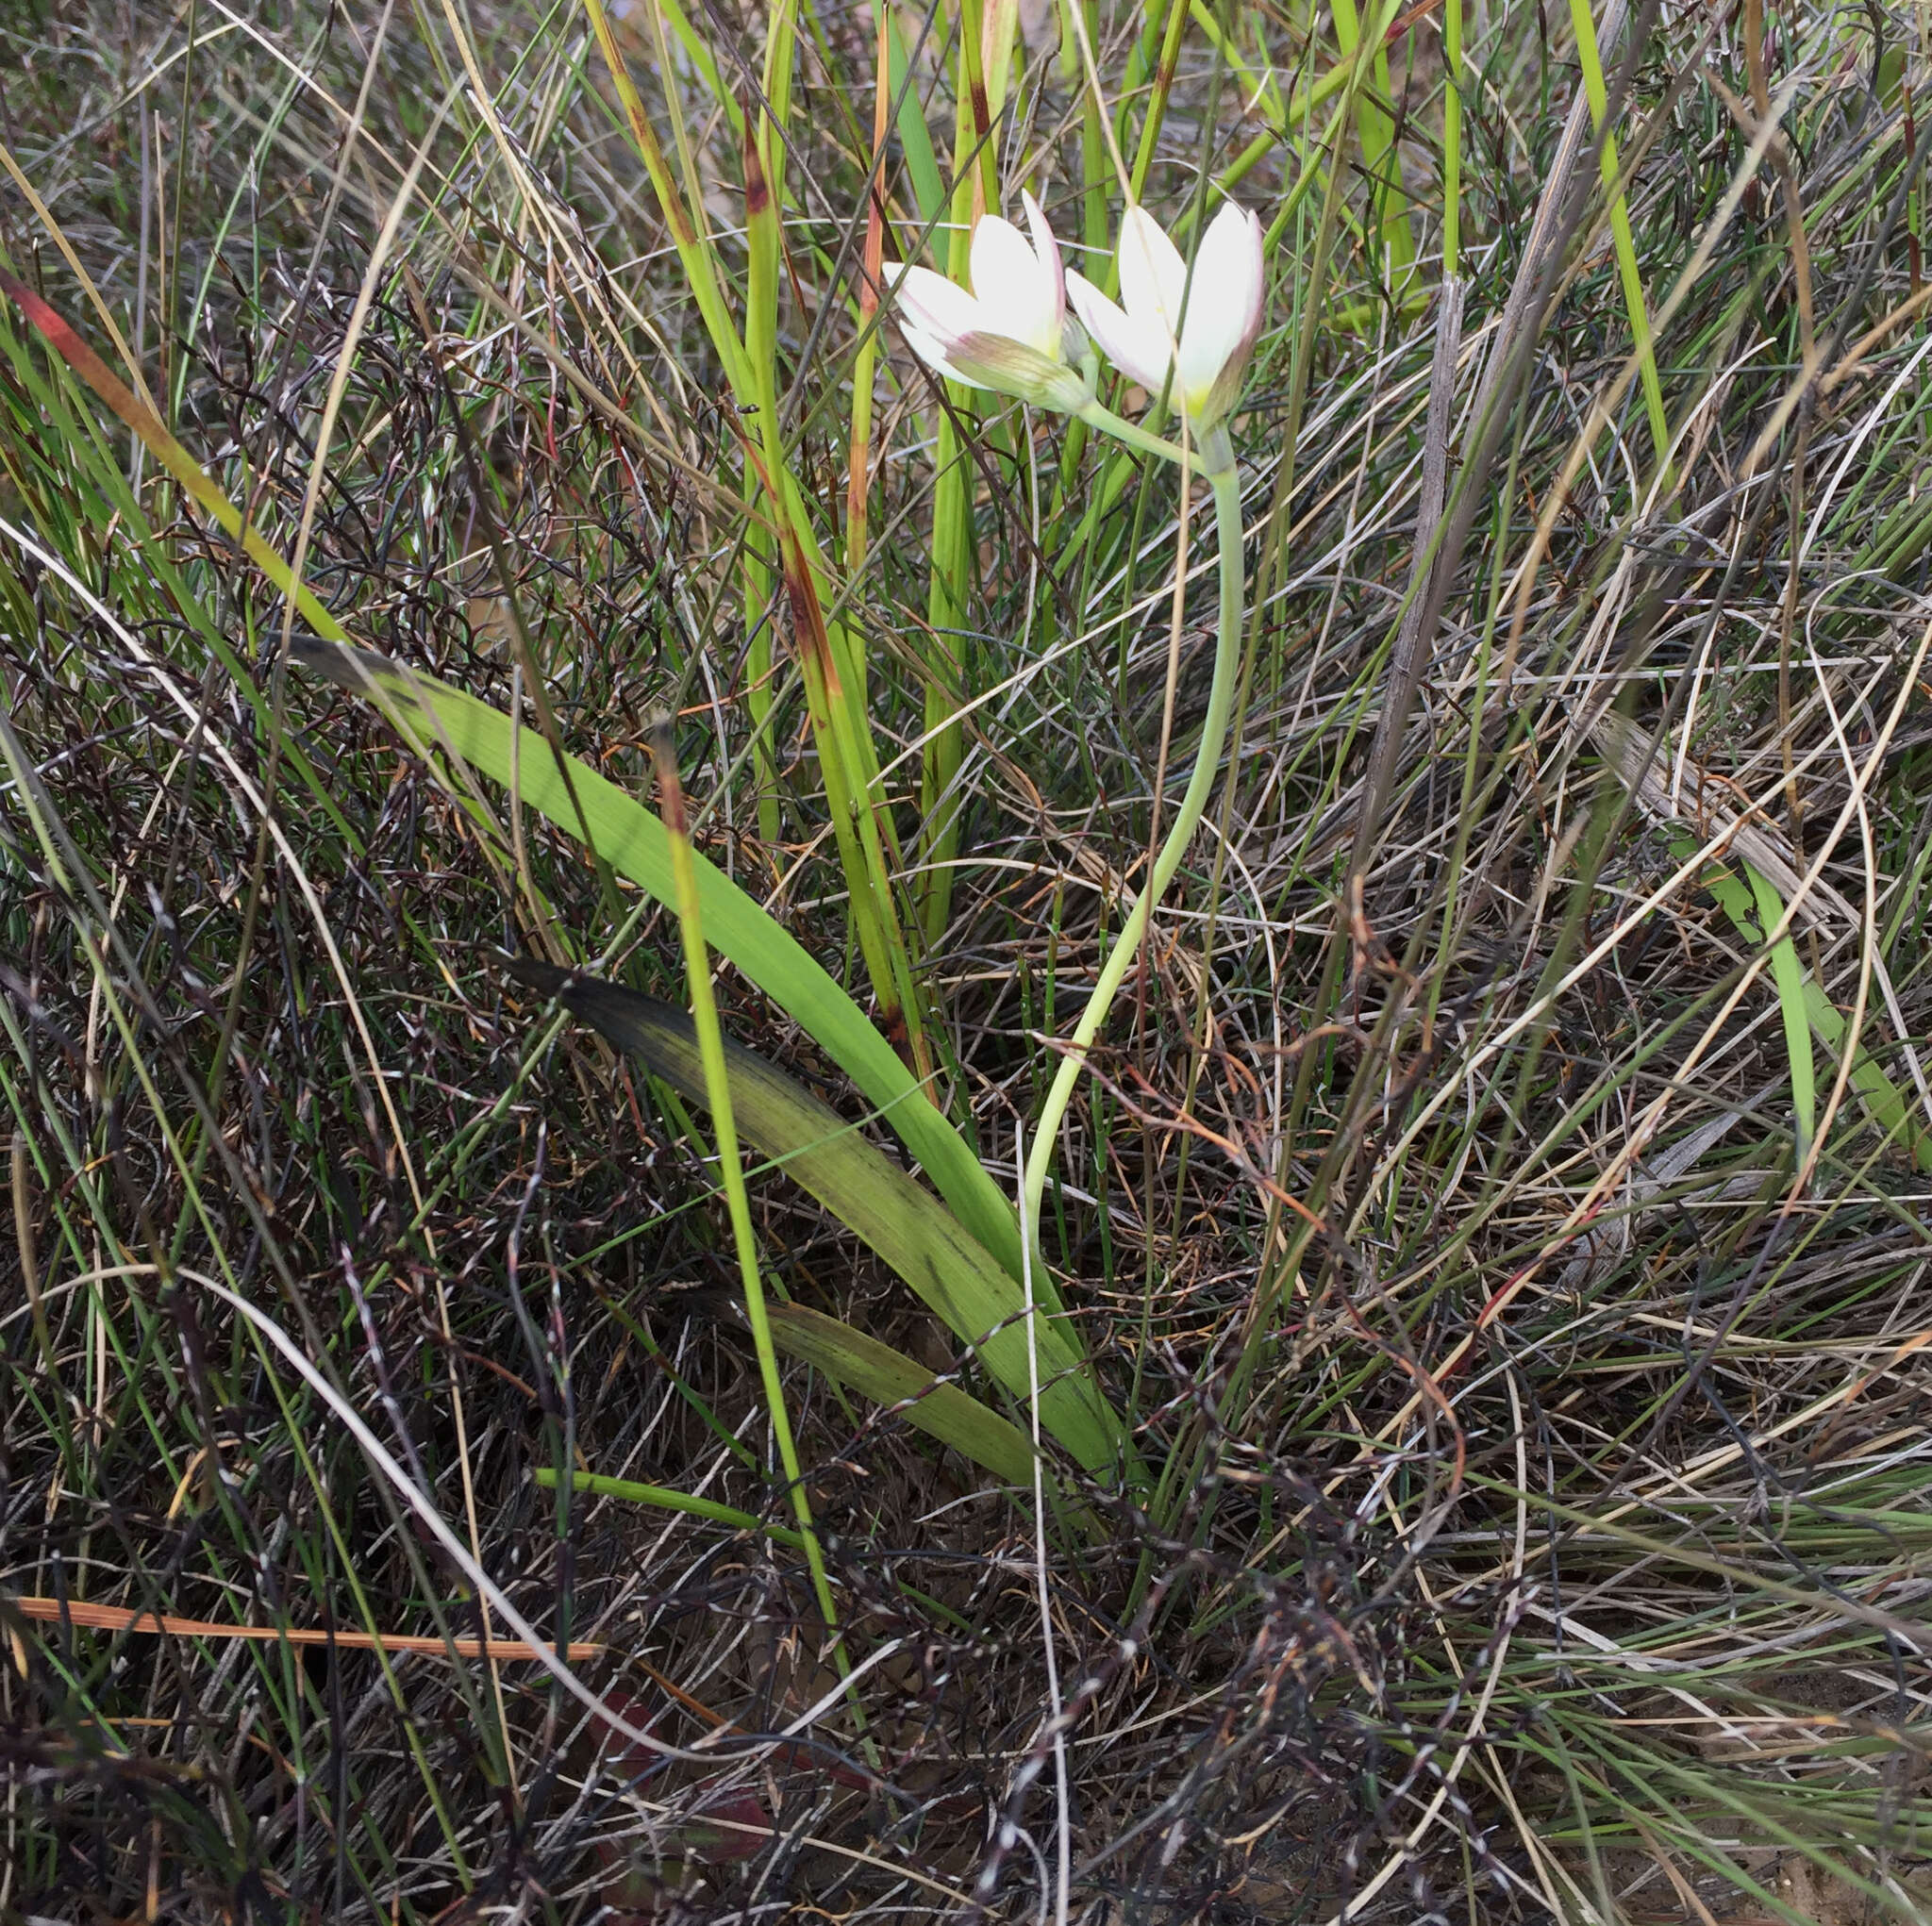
(1888, 1105)
(1789, 974)
(830, 659)
(1629, 275)
(667, 1497)
(717, 1092)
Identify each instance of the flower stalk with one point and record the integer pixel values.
(1101, 418)
(1184, 334)
(1216, 459)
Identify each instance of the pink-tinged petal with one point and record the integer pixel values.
(1225, 308)
(1248, 266)
(1047, 249)
(1013, 290)
(1139, 351)
(1008, 367)
(1153, 277)
(930, 301)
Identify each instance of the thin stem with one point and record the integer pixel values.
(1217, 459)
(1096, 416)
(1451, 141)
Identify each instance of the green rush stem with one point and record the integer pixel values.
(1217, 459)
(950, 690)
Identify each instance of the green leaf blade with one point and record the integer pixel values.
(633, 841)
(873, 1367)
(881, 1204)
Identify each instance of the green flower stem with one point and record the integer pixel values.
(1095, 416)
(1217, 461)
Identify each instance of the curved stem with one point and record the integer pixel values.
(1219, 460)
(1095, 416)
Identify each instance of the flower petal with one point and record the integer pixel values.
(1224, 306)
(930, 301)
(1248, 270)
(1140, 351)
(933, 352)
(1014, 292)
(1047, 249)
(1153, 277)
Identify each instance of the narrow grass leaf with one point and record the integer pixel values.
(1788, 972)
(667, 1497)
(1880, 1096)
(716, 1084)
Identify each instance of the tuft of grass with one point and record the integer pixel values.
(1498, 1214)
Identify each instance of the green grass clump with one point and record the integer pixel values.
(1472, 1460)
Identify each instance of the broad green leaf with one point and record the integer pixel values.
(581, 802)
(915, 136)
(875, 1370)
(632, 840)
(868, 1193)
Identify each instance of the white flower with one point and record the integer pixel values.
(1009, 334)
(1208, 347)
